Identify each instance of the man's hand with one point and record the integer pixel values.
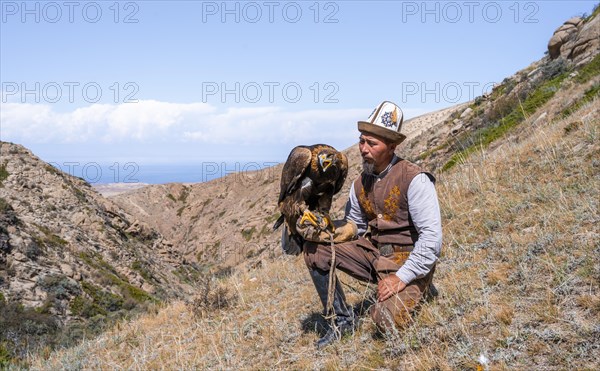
(389, 286)
(344, 231)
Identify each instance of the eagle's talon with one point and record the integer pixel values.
(321, 222)
(309, 217)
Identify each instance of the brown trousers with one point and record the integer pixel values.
(361, 260)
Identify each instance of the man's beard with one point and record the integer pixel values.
(368, 168)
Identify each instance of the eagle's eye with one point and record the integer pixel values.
(325, 160)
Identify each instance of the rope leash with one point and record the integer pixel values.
(331, 289)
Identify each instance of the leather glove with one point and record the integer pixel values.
(344, 231)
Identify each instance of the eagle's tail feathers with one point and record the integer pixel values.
(278, 223)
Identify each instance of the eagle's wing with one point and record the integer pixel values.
(295, 166)
(339, 182)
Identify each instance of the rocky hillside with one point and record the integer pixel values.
(570, 70)
(518, 277)
(69, 258)
(227, 222)
(518, 182)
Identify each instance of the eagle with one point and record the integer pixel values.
(309, 179)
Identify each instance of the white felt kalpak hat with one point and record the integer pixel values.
(385, 122)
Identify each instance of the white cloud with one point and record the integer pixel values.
(150, 121)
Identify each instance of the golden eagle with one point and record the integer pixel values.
(309, 179)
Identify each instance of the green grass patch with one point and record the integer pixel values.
(82, 307)
(272, 218)
(49, 239)
(105, 300)
(594, 14)
(188, 274)
(129, 291)
(5, 356)
(485, 136)
(24, 331)
(498, 91)
(95, 260)
(589, 70)
(79, 194)
(588, 96)
(247, 233)
(184, 194)
(3, 174)
(52, 170)
(265, 230)
(136, 293)
(429, 152)
(142, 269)
(111, 275)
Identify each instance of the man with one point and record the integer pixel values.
(395, 208)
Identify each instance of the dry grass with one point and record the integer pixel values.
(518, 280)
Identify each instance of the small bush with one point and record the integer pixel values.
(188, 274)
(554, 68)
(184, 194)
(52, 170)
(7, 214)
(24, 331)
(223, 272)
(212, 299)
(104, 299)
(33, 250)
(142, 268)
(588, 96)
(589, 70)
(59, 286)
(85, 308)
(49, 239)
(247, 233)
(3, 174)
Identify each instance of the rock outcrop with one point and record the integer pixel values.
(64, 247)
(577, 39)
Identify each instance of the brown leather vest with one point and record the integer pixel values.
(385, 203)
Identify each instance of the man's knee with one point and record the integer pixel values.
(314, 258)
(390, 315)
(396, 312)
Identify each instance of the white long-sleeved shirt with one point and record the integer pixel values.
(424, 211)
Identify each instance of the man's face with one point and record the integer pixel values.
(375, 152)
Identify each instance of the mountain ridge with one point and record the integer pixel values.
(69, 254)
(72, 261)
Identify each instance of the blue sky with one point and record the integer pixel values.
(173, 82)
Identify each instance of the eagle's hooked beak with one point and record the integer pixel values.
(325, 160)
